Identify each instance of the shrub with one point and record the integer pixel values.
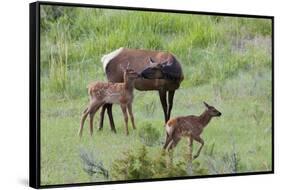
(138, 165)
(133, 166)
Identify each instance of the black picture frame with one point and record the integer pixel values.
(34, 91)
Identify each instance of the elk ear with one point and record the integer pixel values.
(206, 104)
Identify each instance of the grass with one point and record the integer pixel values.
(226, 62)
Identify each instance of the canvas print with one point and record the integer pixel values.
(134, 95)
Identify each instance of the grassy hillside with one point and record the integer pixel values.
(226, 62)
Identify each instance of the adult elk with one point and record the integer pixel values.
(162, 72)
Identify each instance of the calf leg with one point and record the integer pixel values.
(131, 115)
(124, 110)
(92, 114)
(173, 143)
(84, 116)
(168, 139)
(201, 141)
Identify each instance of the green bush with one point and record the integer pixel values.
(133, 166)
(138, 165)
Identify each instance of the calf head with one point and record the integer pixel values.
(130, 75)
(212, 110)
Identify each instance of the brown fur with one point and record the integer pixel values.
(139, 60)
(190, 127)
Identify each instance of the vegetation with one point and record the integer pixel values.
(148, 134)
(226, 61)
(140, 166)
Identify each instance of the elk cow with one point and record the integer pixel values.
(163, 73)
(190, 126)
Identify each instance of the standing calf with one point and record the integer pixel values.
(189, 126)
(114, 93)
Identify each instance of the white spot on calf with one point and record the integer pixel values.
(108, 57)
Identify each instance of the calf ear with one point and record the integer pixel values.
(206, 104)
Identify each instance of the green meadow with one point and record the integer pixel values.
(226, 62)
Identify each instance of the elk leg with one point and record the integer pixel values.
(168, 139)
(110, 116)
(92, 114)
(170, 99)
(84, 115)
(201, 141)
(163, 99)
(169, 144)
(102, 116)
(173, 143)
(170, 151)
(131, 115)
(124, 110)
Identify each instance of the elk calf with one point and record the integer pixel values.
(101, 93)
(189, 126)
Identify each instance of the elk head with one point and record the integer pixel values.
(212, 110)
(154, 70)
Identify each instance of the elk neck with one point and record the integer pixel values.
(205, 118)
